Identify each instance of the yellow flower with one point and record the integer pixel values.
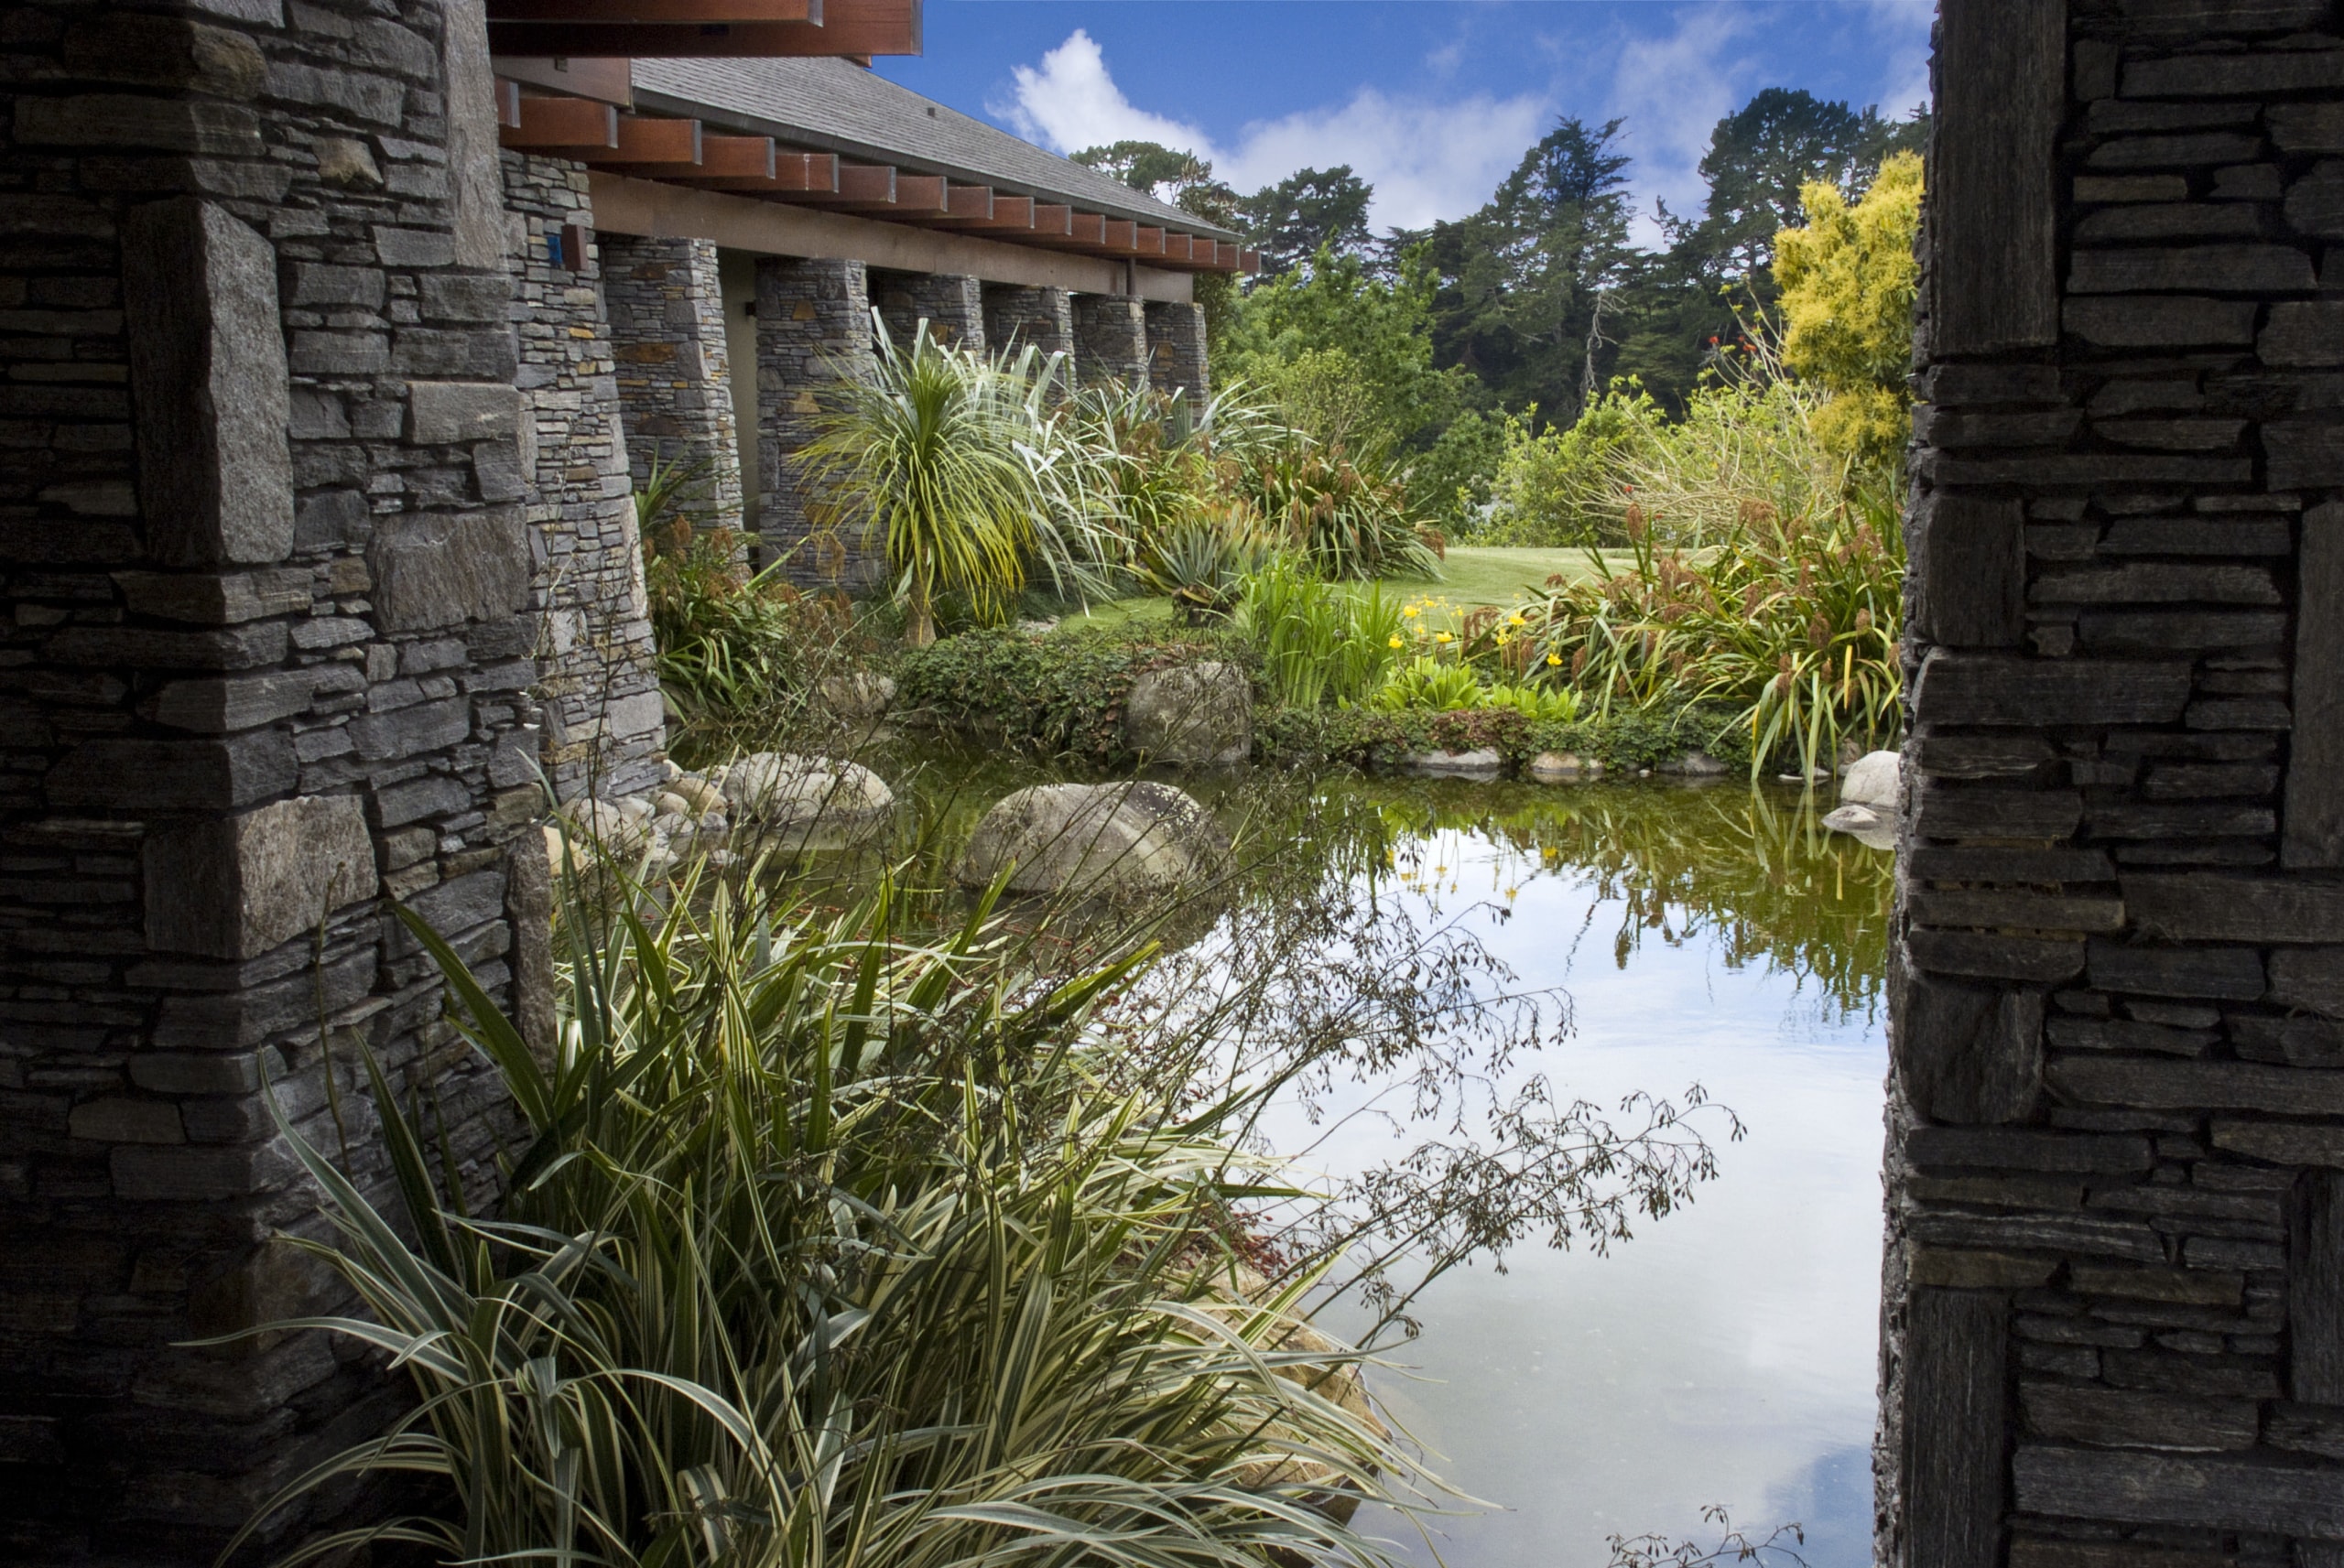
(1554, 658)
(1412, 612)
(1442, 637)
(1395, 640)
(1516, 620)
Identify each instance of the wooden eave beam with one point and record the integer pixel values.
(793, 174)
(508, 104)
(1121, 237)
(1176, 247)
(1249, 261)
(563, 125)
(1052, 221)
(848, 27)
(635, 11)
(1010, 215)
(610, 80)
(881, 191)
(720, 157)
(643, 140)
(1147, 241)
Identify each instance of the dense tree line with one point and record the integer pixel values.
(1426, 341)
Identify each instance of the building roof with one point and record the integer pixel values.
(837, 106)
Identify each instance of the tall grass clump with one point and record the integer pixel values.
(1320, 643)
(825, 1245)
(1793, 619)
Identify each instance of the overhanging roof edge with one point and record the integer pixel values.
(818, 141)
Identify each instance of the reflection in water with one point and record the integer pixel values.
(1725, 1355)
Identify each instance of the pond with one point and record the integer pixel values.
(1725, 1355)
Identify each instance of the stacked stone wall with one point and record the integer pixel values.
(605, 723)
(267, 662)
(813, 328)
(1039, 318)
(675, 372)
(1110, 339)
(951, 305)
(2115, 1279)
(1175, 351)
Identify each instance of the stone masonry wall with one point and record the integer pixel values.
(1111, 339)
(952, 305)
(604, 717)
(265, 663)
(2114, 1298)
(1042, 318)
(813, 326)
(675, 375)
(1175, 351)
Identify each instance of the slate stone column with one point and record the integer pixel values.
(262, 572)
(1175, 349)
(2115, 1269)
(1110, 340)
(952, 305)
(813, 328)
(675, 375)
(1017, 316)
(604, 723)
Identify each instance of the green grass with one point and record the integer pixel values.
(1470, 577)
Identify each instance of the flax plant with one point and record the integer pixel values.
(829, 1247)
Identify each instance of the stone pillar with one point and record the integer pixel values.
(1175, 351)
(813, 326)
(604, 723)
(2117, 998)
(263, 573)
(952, 306)
(1110, 340)
(1016, 317)
(675, 378)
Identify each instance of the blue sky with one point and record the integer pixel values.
(1432, 101)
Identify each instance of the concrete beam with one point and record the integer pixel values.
(624, 206)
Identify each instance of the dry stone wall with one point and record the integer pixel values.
(675, 372)
(603, 720)
(1018, 317)
(813, 326)
(2116, 1250)
(1175, 349)
(267, 661)
(1110, 339)
(951, 305)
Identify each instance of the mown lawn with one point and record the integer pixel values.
(1471, 576)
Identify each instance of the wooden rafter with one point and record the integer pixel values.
(731, 157)
(846, 27)
(644, 140)
(563, 125)
(655, 11)
(792, 174)
(610, 80)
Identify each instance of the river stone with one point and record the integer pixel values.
(816, 802)
(1556, 767)
(1873, 780)
(1095, 839)
(863, 694)
(1484, 763)
(1694, 764)
(622, 835)
(1867, 826)
(1191, 716)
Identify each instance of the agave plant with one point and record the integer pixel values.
(825, 1246)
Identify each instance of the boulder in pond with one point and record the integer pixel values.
(1694, 764)
(1191, 716)
(1095, 840)
(1557, 767)
(1485, 764)
(1873, 780)
(860, 694)
(815, 802)
(1874, 830)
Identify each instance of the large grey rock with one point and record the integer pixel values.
(1095, 839)
(1484, 763)
(438, 569)
(860, 694)
(208, 368)
(814, 802)
(1873, 780)
(1191, 716)
(237, 887)
(1874, 829)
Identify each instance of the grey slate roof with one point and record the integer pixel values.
(835, 105)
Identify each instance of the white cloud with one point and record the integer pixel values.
(1672, 91)
(1427, 160)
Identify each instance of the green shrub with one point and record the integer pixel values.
(1429, 685)
(1059, 696)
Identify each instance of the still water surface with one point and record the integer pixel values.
(1725, 1355)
